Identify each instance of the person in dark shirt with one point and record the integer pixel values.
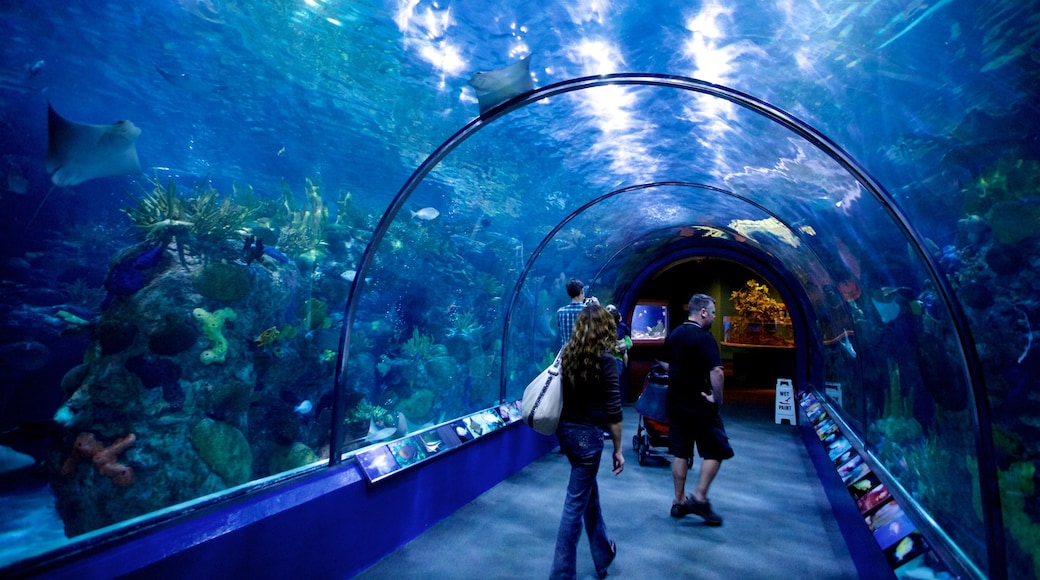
(693, 400)
(591, 405)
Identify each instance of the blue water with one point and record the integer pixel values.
(325, 108)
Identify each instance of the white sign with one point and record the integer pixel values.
(785, 402)
(833, 390)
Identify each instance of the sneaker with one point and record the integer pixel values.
(601, 574)
(681, 509)
(703, 509)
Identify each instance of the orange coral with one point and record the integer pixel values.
(105, 459)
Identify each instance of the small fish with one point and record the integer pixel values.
(426, 214)
(267, 337)
(36, 67)
(349, 275)
(905, 546)
(862, 485)
(281, 152)
(304, 407)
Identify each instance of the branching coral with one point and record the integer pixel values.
(105, 459)
(303, 230)
(422, 347)
(753, 303)
(753, 306)
(161, 204)
(213, 220)
(162, 214)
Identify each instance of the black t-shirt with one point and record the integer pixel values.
(594, 404)
(691, 353)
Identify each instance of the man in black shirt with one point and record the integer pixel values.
(694, 396)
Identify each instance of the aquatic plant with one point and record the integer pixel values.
(364, 411)
(464, 322)
(1017, 488)
(163, 214)
(302, 231)
(422, 346)
(348, 214)
(897, 428)
(158, 206)
(1008, 180)
(214, 220)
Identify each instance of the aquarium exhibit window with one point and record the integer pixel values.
(260, 301)
(650, 322)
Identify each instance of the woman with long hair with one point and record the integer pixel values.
(591, 406)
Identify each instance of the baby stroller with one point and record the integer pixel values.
(653, 414)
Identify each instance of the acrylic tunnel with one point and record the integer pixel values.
(277, 321)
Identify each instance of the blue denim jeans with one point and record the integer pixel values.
(583, 445)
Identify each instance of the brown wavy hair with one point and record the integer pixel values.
(595, 333)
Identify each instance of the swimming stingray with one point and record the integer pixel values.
(77, 152)
(497, 86)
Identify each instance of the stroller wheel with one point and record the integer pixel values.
(642, 451)
(635, 442)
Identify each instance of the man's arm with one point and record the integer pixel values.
(717, 377)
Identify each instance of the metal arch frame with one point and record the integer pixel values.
(988, 483)
(536, 253)
(810, 365)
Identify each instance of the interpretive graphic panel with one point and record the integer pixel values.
(380, 461)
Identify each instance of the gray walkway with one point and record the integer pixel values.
(778, 523)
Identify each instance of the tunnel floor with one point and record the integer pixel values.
(777, 520)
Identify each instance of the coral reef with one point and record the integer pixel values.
(201, 220)
(104, 459)
(212, 325)
(173, 337)
(221, 282)
(418, 405)
(154, 372)
(224, 449)
(758, 319)
(291, 457)
(753, 303)
(115, 336)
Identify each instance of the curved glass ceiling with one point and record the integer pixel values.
(913, 263)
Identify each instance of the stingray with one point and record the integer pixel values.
(498, 86)
(77, 152)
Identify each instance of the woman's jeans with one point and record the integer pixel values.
(583, 445)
